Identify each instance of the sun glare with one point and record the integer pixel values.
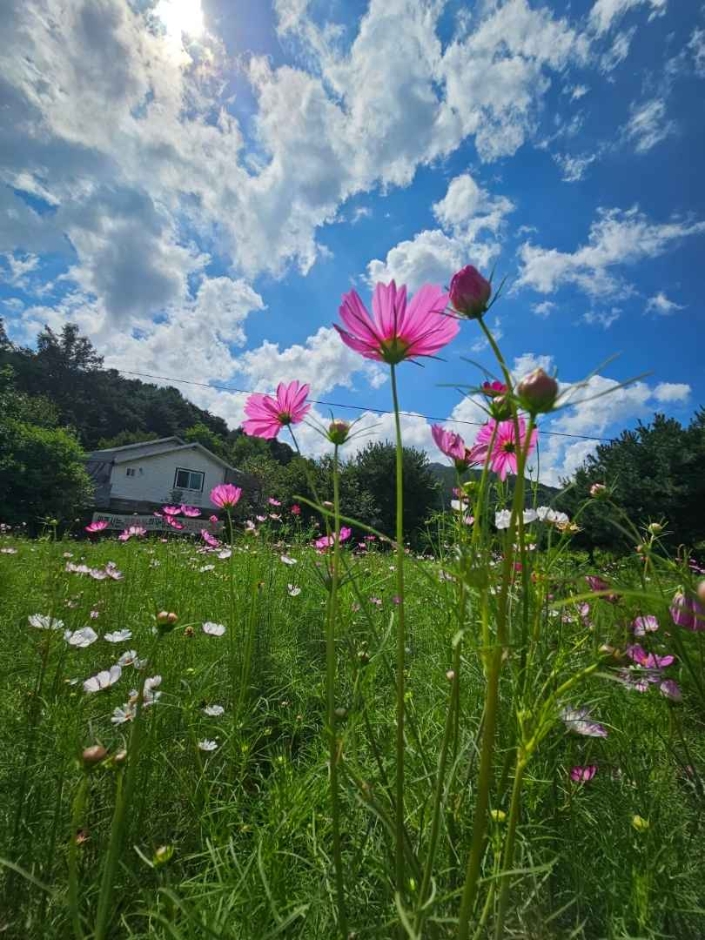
(181, 17)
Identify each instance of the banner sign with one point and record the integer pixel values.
(156, 523)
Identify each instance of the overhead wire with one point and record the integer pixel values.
(361, 408)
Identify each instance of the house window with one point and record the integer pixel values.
(130, 472)
(188, 480)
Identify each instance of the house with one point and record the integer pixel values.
(139, 478)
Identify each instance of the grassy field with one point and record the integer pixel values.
(228, 829)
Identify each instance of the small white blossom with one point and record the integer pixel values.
(213, 629)
(288, 560)
(293, 590)
(121, 715)
(43, 622)
(81, 638)
(213, 711)
(103, 680)
(118, 636)
(207, 745)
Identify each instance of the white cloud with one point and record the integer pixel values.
(649, 125)
(605, 13)
(603, 318)
(696, 47)
(617, 238)
(472, 221)
(323, 361)
(666, 392)
(618, 51)
(544, 308)
(661, 305)
(574, 168)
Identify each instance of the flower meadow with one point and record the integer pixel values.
(295, 725)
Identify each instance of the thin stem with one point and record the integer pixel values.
(79, 808)
(510, 841)
(401, 643)
(330, 696)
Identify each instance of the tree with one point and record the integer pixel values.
(200, 434)
(373, 472)
(42, 469)
(654, 472)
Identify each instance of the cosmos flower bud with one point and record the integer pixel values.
(639, 823)
(498, 815)
(538, 391)
(655, 528)
(470, 293)
(94, 754)
(598, 491)
(338, 431)
(687, 611)
(162, 855)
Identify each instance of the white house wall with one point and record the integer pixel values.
(154, 477)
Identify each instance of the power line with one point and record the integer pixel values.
(334, 404)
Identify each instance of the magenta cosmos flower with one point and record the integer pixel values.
(503, 456)
(193, 512)
(397, 330)
(266, 416)
(225, 495)
(97, 526)
(470, 292)
(583, 774)
(133, 531)
(327, 540)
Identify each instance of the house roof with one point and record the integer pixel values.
(163, 445)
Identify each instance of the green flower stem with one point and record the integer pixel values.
(509, 843)
(437, 803)
(494, 663)
(401, 645)
(79, 808)
(330, 698)
(123, 799)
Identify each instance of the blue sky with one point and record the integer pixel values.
(196, 183)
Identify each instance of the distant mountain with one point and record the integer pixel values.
(446, 476)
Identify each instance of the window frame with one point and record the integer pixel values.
(190, 489)
(131, 472)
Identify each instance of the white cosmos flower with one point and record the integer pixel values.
(288, 560)
(121, 715)
(546, 514)
(205, 568)
(207, 745)
(8, 551)
(502, 519)
(530, 515)
(213, 711)
(129, 658)
(44, 622)
(226, 553)
(118, 636)
(213, 629)
(293, 590)
(103, 680)
(81, 638)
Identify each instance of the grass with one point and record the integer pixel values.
(237, 842)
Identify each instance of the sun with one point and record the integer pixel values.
(181, 17)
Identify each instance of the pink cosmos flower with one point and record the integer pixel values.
(583, 774)
(397, 330)
(453, 446)
(193, 512)
(687, 612)
(638, 655)
(295, 510)
(225, 495)
(599, 584)
(171, 510)
(274, 502)
(326, 541)
(267, 416)
(97, 526)
(209, 539)
(173, 522)
(136, 531)
(503, 456)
